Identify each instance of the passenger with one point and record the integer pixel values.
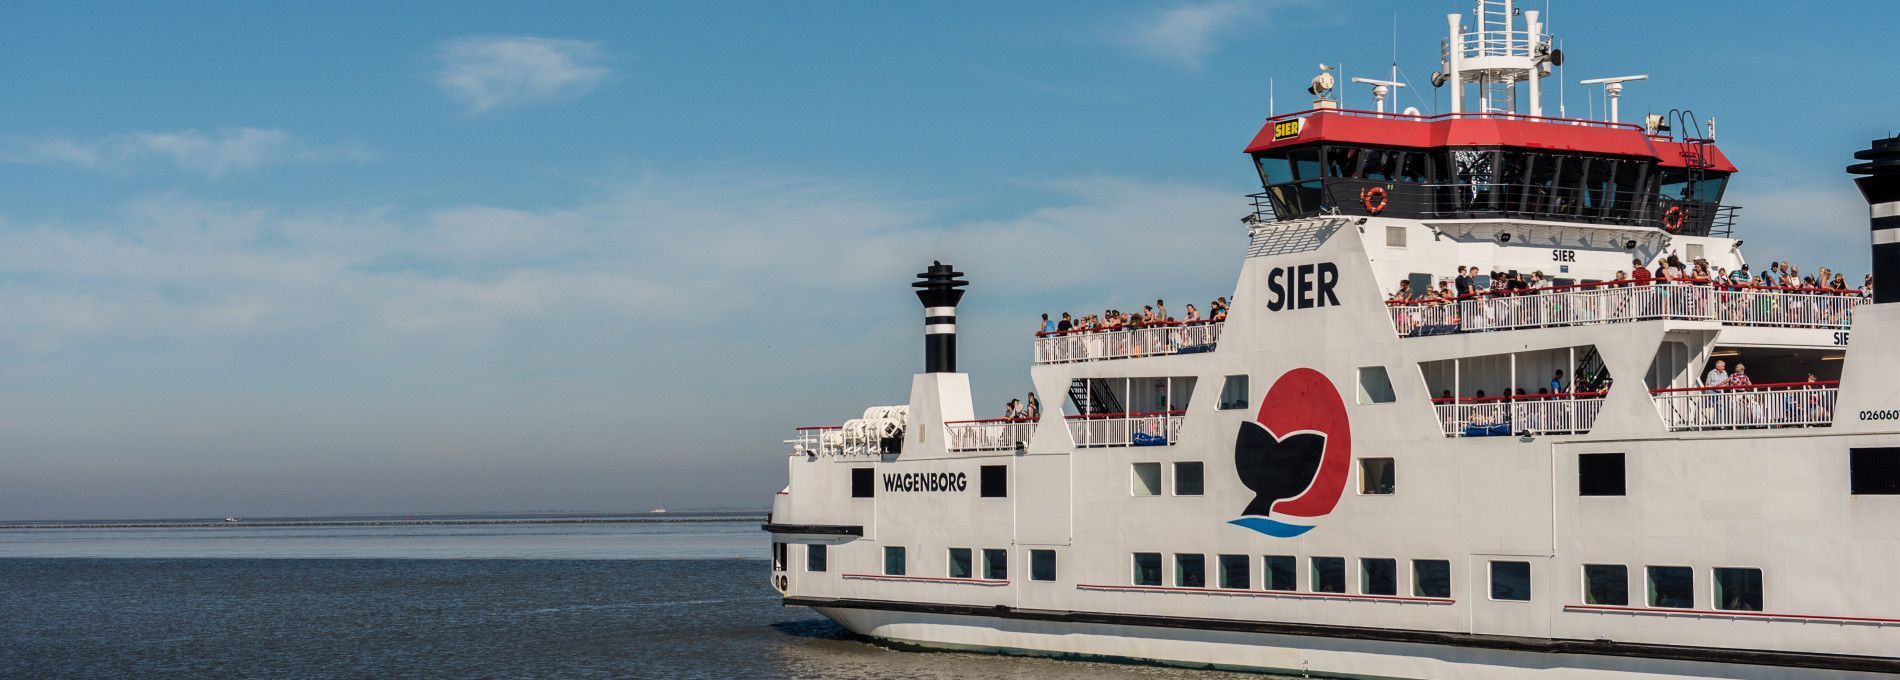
(1193, 314)
(1013, 410)
(1637, 273)
(1557, 382)
(1047, 325)
(1462, 284)
(1404, 293)
(1033, 408)
(1066, 324)
(1161, 311)
(1717, 376)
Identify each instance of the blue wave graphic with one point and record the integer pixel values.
(1274, 528)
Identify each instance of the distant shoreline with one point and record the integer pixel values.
(645, 518)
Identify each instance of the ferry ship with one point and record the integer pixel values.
(1313, 485)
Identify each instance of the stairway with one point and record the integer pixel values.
(1591, 371)
(1092, 402)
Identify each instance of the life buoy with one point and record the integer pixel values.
(1373, 198)
(1672, 218)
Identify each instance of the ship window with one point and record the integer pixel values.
(778, 556)
(815, 557)
(1694, 251)
(1395, 237)
(1378, 576)
(893, 560)
(1329, 574)
(1233, 393)
(1672, 587)
(1305, 162)
(1283, 573)
(1874, 471)
(1190, 570)
(1375, 386)
(993, 481)
(1511, 580)
(1709, 190)
(1738, 589)
(1042, 565)
(1274, 170)
(1600, 474)
(959, 563)
(995, 564)
(1376, 477)
(1675, 184)
(1341, 161)
(1145, 478)
(1234, 572)
(1416, 168)
(1380, 165)
(1188, 479)
(861, 486)
(1431, 578)
(1607, 584)
(1147, 569)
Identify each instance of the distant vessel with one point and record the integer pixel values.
(657, 511)
(230, 519)
(1316, 483)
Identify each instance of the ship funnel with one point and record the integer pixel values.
(1880, 183)
(939, 291)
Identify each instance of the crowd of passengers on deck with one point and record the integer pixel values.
(1725, 399)
(1115, 319)
(1778, 275)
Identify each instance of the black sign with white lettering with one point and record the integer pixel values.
(1302, 286)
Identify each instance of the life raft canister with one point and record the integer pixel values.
(1672, 218)
(1373, 198)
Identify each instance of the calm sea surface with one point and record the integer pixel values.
(645, 600)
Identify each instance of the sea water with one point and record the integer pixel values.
(626, 599)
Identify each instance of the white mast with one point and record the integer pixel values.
(1497, 56)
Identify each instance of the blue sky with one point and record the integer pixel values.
(407, 257)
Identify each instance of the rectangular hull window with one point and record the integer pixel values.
(1738, 589)
(1190, 571)
(1377, 476)
(1378, 576)
(1188, 479)
(1511, 581)
(1283, 573)
(996, 564)
(1042, 565)
(861, 483)
(1147, 569)
(1874, 471)
(1672, 587)
(1375, 386)
(1233, 393)
(959, 563)
(993, 481)
(1431, 578)
(815, 558)
(1329, 574)
(1145, 479)
(1606, 584)
(1600, 474)
(1233, 572)
(893, 560)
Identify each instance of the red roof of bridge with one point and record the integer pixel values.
(1481, 129)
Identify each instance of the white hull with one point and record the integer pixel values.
(1283, 654)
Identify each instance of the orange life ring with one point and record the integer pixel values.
(1367, 195)
(1672, 218)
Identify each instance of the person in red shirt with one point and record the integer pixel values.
(1638, 273)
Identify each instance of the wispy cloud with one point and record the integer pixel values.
(1187, 34)
(487, 72)
(210, 153)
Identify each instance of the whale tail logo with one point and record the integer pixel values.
(1294, 455)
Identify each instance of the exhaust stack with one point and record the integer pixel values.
(1880, 184)
(939, 291)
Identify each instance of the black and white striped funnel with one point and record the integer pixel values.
(939, 291)
(1880, 183)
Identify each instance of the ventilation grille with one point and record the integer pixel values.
(1284, 238)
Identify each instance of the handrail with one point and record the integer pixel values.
(1476, 115)
(1132, 414)
(1523, 397)
(991, 420)
(1745, 388)
(808, 428)
(1151, 324)
(1626, 283)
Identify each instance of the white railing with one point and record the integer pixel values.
(1000, 434)
(825, 440)
(1127, 429)
(1614, 303)
(1776, 405)
(1160, 340)
(1498, 416)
